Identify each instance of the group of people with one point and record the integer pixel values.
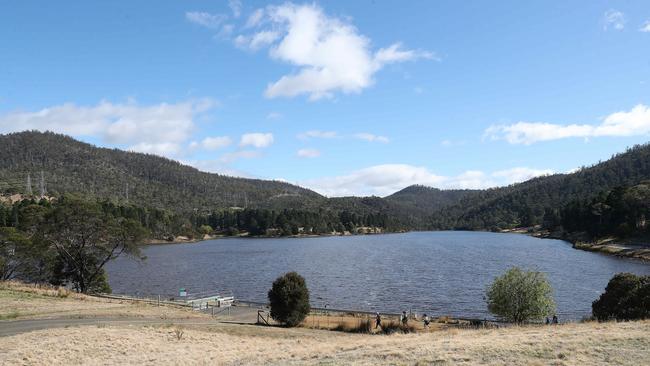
(404, 319)
(554, 321)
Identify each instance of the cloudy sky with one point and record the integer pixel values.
(363, 97)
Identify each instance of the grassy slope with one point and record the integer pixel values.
(570, 344)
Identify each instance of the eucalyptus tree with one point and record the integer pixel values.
(85, 238)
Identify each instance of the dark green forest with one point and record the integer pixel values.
(621, 212)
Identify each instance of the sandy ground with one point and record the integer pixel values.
(197, 341)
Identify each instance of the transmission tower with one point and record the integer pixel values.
(28, 188)
(42, 185)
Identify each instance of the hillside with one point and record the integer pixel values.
(146, 180)
(526, 204)
(69, 165)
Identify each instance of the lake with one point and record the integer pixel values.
(440, 273)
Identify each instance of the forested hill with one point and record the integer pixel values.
(427, 199)
(527, 203)
(68, 166)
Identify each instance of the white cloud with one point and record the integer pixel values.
(318, 134)
(308, 153)
(216, 166)
(382, 180)
(215, 143)
(520, 174)
(159, 129)
(614, 19)
(371, 137)
(257, 139)
(255, 18)
(161, 149)
(645, 27)
(236, 155)
(376, 180)
(395, 53)
(235, 7)
(330, 53)
(635, 122)
(257, 40)
(274, 115)
(207, 20)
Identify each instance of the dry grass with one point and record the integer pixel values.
(571, 344)
(351, 322)
(21, 301)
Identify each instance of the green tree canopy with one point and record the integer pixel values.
(519, 296)
(289, 299)
(626, 297)
(86, 238)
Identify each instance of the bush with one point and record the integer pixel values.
(364, 327)
(393, 327)
(289, 299)
(519, 296)
(626, 297)
(206, 229)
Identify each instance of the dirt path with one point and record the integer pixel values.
(13, 327)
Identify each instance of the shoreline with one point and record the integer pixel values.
(623, 248)
(608, 246)
(185, 240)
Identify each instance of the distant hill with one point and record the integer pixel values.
(428, 199)
(525, 204)
(147, 180)
(69, 165)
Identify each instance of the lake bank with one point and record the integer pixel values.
(627, 248)
(187, 240)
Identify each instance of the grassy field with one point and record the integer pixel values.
(226, 344)
(20, 301)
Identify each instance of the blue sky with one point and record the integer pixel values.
(362, 97)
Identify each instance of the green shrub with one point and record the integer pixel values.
(289, 299)
(519, 296)
(626, 297)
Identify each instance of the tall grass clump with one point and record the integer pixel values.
(363, 327)
(394, 327)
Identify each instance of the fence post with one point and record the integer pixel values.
(158, 299)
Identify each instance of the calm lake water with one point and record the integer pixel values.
(441, 273)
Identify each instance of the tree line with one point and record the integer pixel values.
(69, 239)
(622, 212)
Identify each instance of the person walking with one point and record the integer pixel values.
(378, 321)
(555, 321)
(405, 318)
(426, 321)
